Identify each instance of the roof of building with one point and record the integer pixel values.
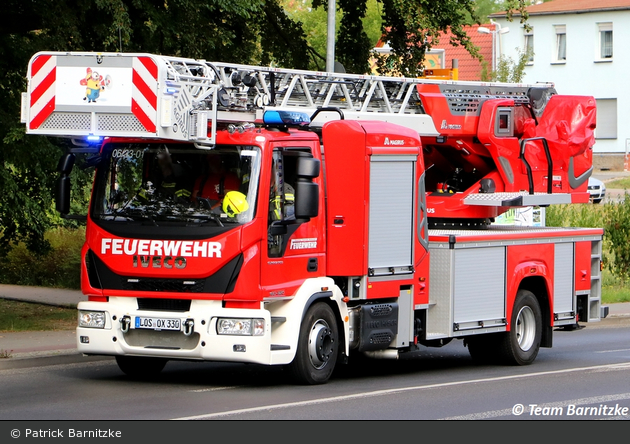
(571, 7)
(469, 68)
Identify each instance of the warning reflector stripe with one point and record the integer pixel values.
(150, 66)
(145, 120)
(43, 115)
(144, 89)
(43, 86)
(42, 97)
(38, 63)
(143, 95)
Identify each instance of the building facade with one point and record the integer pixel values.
(582, 47)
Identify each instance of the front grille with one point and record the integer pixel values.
(161, 340)
(175, 285)
(164, 304)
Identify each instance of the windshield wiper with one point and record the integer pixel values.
(210, 216)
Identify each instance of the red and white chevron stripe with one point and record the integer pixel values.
(42, 98)
(143, 95)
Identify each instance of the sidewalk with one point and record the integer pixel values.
(612, 194)
(23, 345)
(42, 295)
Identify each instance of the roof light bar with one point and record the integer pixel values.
(274, 117)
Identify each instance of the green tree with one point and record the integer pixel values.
(508, 70)
(410, 27)
(244, 31)
(314, 21)
(484, 8)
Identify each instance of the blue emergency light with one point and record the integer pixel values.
(294, 118)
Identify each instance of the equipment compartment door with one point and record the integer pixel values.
(563, 294)
(391, 213)
(479, 284)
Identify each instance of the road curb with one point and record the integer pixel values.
(44, 359)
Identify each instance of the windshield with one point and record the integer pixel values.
(176, 184)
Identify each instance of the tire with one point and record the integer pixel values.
(138, 367)
(318, 346)
(596, 201)
(520, 345)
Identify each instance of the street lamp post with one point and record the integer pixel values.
(496, 36)
(330, 46)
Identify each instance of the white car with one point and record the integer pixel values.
(597, 189)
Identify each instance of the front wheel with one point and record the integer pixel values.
(318, 346)
(520, 345)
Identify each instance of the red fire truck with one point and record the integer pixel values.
(296, 218)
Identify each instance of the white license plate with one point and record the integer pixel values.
(143, 322)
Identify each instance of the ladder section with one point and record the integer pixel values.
(286, 88)
(147, 95)
(393, 99)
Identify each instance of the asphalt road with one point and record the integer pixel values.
(585, 368)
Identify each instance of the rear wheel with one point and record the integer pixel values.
(318, 346)
(520, 345)
(140, 367)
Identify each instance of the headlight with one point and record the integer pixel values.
(92, 319)
(242, 327)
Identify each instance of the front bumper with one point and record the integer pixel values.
(597, 193)
(202, 343)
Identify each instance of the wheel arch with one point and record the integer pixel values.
(328, 298)
(294, 310)
(538, 286)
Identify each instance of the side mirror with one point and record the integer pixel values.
(307, 168)
(306, 199)
(66, 163)
(307, 191)
(63, 194)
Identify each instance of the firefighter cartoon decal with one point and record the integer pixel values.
(95, 83)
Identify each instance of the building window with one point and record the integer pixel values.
(606, 119)
(529, 46)
(605, 41)
(561, 43)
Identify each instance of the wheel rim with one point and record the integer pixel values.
(525, 328)
(320, 344)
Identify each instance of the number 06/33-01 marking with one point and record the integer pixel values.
(158, 323)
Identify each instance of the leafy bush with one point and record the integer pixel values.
(60, 268)
(576, 215)
(617, 226)
(614, 218)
